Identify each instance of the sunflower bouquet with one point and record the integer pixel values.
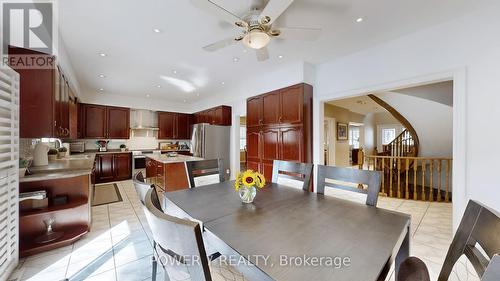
(246, 184)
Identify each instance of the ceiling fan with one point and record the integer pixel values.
(256, 26)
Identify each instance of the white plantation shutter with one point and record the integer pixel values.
(9, 171)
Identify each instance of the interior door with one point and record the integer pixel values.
(291, 101)
(254, 111)
(95, 121)
(118, 123)
(270, 150)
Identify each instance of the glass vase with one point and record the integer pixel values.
(247, 194)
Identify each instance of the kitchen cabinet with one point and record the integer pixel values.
(105, 122)
(73, 118)
(220, 115)
(113, 167)
(174, 125)
(150, 169)
(104, 168)
(279, 127)
(44, 98)
(122, 166)
(167, 176)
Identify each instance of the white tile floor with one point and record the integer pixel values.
(119, 246)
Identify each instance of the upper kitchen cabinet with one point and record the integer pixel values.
(104, 122)
(174, 125)
(220, 115)
(282, 107)
(45, 97)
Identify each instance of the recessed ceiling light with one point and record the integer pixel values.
(148, 95)
(245, 50)
(197, 94)
(102, 76)
(184, 101)
(158, 86)
(174, 71)
(280, 56)
(156, 30)
(101, 89)
(103, 55)
(359, 19)
(236, 59)
(223, 83)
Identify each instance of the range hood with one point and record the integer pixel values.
(142, 119)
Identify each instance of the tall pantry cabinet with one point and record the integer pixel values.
(279, 126)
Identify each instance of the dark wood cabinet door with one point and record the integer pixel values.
(291, 144)
(271, 106)
(73, 119)
(183, 126)
(64, 115)
(104, 170)
(217, 116)
(292, 101)
(254, 166)
(150, 168)
(95, 122)
(122, 166)
(58, 97)
(254, 111)
(160, 175)
(226, 116)
(270, 150)
(166, 123)
(118, 123)
(253, 145)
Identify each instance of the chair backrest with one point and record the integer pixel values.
(479, 225)
(294, 171)
(492, 272)
(208, 169)
(361, 181)
(141, 188)
(180, 239)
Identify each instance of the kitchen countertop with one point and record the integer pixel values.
(95, 151)
(70, 166)
(163, 158)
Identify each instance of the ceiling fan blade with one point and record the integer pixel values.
(220, 44)
(218, 11)
(262, 54)
(305, 34)
(275, 8)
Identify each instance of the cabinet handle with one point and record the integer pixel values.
(66, 131)
(279, 119)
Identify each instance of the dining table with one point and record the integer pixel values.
(291, 234)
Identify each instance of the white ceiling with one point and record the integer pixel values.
(362, 105)
(139, 59)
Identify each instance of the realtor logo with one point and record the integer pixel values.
(28, 25)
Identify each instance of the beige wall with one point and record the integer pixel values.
(342, 115)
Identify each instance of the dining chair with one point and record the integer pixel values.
(292, 173)
(205, 172)
(141, 188)
(360, 181)
(182, 251)
(492, 272)
(477, 237)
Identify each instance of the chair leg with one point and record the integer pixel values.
(154, 264)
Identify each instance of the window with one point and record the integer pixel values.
(243, 137)
(388, 135)
(354, 137)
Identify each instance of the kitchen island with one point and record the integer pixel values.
(168, 173)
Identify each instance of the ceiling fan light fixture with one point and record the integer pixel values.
(256, 39)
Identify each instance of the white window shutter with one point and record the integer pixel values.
(9, 171)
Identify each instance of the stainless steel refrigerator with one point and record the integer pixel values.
(211, 142)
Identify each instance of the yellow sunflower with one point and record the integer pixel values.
(237, 183)
(248, 178)
(260, 179)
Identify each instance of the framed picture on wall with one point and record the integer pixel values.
(342, 133)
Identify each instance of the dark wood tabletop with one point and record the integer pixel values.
(285, 226)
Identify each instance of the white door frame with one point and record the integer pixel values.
(331, 122)
(459, 77)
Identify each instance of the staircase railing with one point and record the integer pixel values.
(403, 145)
(417, 178)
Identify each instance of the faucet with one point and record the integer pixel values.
(58, 141)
